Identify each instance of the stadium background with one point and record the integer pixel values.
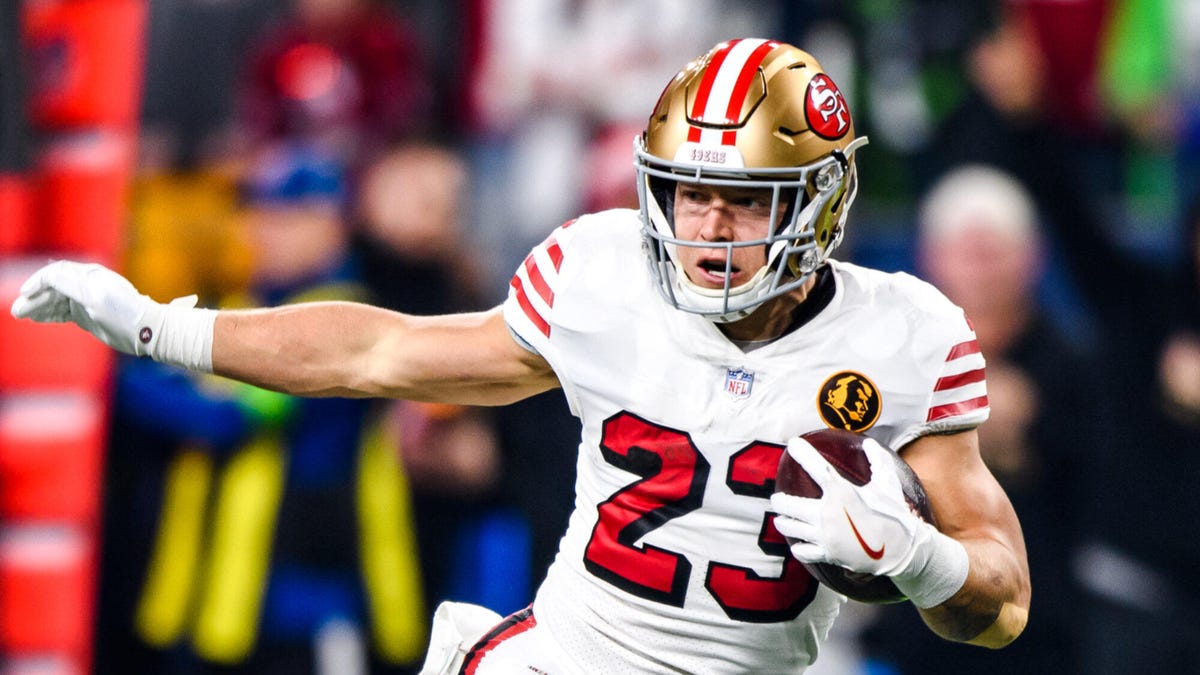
(126, 135)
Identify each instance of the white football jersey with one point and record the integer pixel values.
(671, 562)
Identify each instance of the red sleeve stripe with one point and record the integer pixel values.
(706, 86)
(951, 409)
(555, 252)
(962, 379)
(535, 268)
(528, 308)
(733, 114)
(513, 625)
(539, 282)
(963, 349)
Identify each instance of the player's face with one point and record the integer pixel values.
(722, 215)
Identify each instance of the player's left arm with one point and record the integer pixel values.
(992, 606)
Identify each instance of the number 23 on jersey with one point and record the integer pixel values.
(674, 474)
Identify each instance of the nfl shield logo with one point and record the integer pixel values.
(738, 382)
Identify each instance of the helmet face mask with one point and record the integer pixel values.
(780, 125)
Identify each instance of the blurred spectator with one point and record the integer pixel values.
(408, 236)
(903, 67)
(1043, 111)
(284, 543)
(348, 75)
(979, 243)
(408, 240)
(193, 51)
(1179, 363)
(1070, 98)
(1013, 112)
(470, 468)
(1140, 569)
(184, 233)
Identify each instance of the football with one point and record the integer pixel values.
(844, 451)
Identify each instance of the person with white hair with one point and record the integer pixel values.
(979, 241)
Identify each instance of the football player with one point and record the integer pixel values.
(693, 339)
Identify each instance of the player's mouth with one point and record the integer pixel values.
(717, 271)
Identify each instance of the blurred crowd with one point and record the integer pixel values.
(1038, 160)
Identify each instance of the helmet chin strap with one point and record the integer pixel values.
(713, 303)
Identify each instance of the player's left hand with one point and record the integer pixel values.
(869, 528)
(106, 305)
(94, 297)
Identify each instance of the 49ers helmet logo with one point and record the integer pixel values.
(825, 108)
(849, 401)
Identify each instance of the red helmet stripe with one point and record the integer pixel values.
(738, 99)
(706, 85)
(721, 94)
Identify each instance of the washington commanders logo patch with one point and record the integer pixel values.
(849, 401)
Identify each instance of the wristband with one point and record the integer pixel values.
(938, 574)
(177, 334)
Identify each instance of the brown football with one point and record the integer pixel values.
(844, 450)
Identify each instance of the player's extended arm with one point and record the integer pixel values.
(351, 349)
(992, 606)
(317, 349)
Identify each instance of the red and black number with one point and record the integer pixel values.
(744, 594)
(673, 475)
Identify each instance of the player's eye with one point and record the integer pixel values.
(753, 205)
(750, 202)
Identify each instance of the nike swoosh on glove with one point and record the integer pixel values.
(870, 528)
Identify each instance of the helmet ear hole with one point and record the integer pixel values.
(797, 202)
(662, 190)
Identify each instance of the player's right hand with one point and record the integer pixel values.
(94, 297)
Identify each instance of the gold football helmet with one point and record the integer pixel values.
(750, 113)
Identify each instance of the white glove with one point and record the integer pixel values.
(869, 529)
(457, 626)
(106, 305)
